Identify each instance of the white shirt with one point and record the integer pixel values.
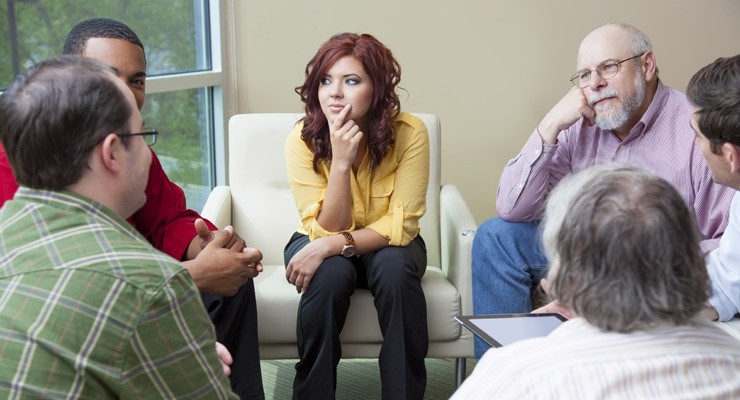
(579, 361)
(723, 265)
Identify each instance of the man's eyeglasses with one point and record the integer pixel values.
(605, 71)
(150, 135)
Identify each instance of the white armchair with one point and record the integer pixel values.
(259, 204)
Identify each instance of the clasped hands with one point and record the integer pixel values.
(223, 262)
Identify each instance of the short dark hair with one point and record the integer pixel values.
(715, 91)
(53, 115)
(98, 28)
(624, 249)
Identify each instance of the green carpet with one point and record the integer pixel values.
(360, 378)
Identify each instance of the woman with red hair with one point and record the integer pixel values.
(359, 169)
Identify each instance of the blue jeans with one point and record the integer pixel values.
(508, 262)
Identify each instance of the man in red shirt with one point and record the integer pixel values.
(222, 274)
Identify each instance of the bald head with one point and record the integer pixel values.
(610, 41)
(620, 75)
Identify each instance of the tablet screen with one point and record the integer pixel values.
(503, 329)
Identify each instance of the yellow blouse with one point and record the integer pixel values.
(389, 200)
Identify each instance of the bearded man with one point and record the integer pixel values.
(617, 111)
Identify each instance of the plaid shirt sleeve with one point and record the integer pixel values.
(172, 351)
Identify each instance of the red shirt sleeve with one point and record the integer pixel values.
(164, 220)
(8, 185)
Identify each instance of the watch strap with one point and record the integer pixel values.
(348, 238)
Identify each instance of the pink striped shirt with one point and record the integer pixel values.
(661, 142)
(579, 361)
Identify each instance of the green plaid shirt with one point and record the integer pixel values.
(89, 309)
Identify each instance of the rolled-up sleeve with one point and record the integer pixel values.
(407, 203)
(309, 187)
(528, 178)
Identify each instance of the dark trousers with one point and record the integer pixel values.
(235, 319)
(393, 276)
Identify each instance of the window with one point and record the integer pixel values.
(182, 41)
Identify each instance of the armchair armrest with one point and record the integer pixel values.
(457, 232)
(218, 207)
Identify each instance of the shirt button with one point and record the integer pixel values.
(387, 190)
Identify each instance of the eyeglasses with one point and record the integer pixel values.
(150, 135)
(606, 71)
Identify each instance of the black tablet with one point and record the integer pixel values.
(502, 329)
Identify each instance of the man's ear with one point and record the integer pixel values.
(649, 68)
(110, 151)
(731, 153)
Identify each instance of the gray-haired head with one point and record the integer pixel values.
(624, 249)
(638, 41)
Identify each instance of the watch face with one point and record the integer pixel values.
(348, 251)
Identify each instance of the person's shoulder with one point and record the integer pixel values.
(671, 91)
(724, 335)
(129, 259)
(146, 269)
(677, 99)
(409, 120)
(409, 128)
(86, 239)
(298, 127)
(295, 132)
(294, 141)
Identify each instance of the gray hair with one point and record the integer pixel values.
(624, 249)
(639, 40)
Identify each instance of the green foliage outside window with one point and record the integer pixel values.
(175, 37)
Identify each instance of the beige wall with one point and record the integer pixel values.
(489, 69)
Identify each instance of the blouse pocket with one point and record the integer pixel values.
(380, 194)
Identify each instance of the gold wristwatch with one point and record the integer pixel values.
(349, 249)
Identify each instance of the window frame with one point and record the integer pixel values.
(215, 80)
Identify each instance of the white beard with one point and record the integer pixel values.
(608, 116)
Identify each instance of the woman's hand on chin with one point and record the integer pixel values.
(345, 138)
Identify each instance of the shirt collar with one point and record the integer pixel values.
(65, 199)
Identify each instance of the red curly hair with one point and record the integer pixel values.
(385, 74)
